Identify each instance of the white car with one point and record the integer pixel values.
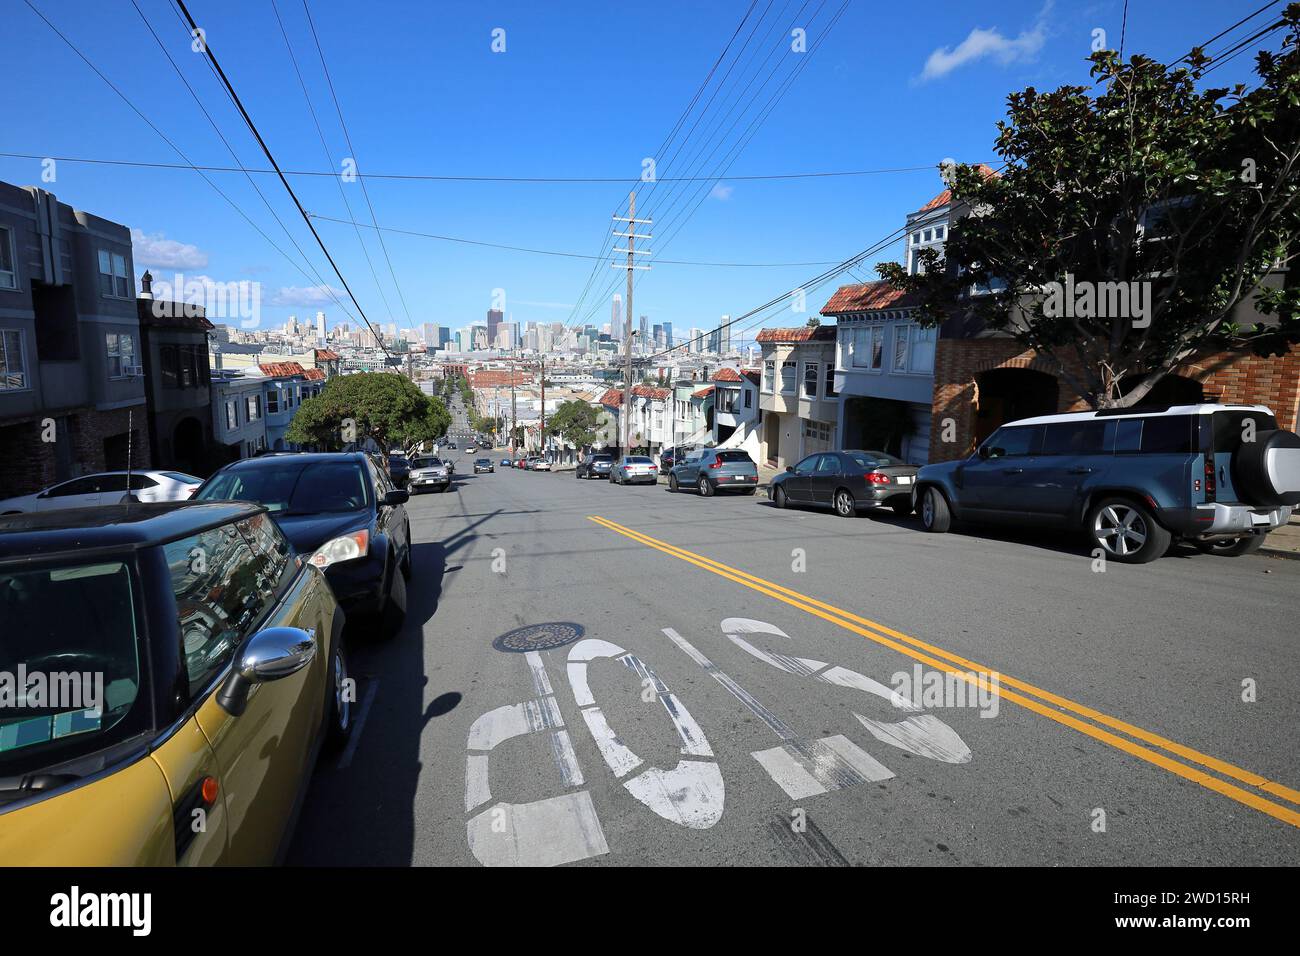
(539, 464)
(105, 488)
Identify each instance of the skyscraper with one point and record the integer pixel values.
(616, 318)
(725, 344)
(494, 318)
(320, 326)
(645, 330)
(668, 335)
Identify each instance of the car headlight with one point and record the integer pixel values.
(349, 547)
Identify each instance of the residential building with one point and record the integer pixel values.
(174, 353)
(283, 384)
(797, 393)
(735, 406)
(692, 413)
(238, 419)
(72, 392)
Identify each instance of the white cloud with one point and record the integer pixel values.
(158, 250)
(307, 295)
(721, 192)
(983, 44)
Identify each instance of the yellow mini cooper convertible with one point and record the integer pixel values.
(168, 674)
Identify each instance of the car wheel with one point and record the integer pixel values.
(1126, 531)
(779, 497)
(1235, 547)
(338, 717)
(704, 488)
(845, 507)
(936, 516)
(394, 614)
(672, 484)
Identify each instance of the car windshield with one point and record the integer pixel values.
(293, 487)
(397, 460)
(427, 463)
(70, 672)
(482, 461)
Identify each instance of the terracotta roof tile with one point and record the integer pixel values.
(703, 393)
(314, 374)
(278, 369)
(650, 391)
(802, 334)
(612, 397)
(945, 197)
(868, 297)
(726, 375)
(325, 355)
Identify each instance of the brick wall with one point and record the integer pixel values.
(28, 464)
(1274, 382)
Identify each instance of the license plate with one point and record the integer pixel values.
(904, 479)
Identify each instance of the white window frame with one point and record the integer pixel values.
(9, 276)
(769, 373)
(232, 415)
(253, 408)
(794, 377)
(873, 335)
(909, 333)
(816, 369)
(115, 353)
(8, 363)
(273, 397)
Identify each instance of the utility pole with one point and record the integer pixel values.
(631, 236)
(513, 419)
(541, 435)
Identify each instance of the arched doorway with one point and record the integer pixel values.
(189, 447)
(1008, 394)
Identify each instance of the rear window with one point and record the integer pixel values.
(734, 456)
(1078, 438)
(181, 477)
(1232, 428)
(72, 631)
(875, 459)
(639, 460)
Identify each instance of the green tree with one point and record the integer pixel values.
(380, 405)
(576, 422)
(1169, 198)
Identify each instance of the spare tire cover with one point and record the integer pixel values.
(1266, 472)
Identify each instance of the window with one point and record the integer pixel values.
(817, 431)
(749, 399)
(811, 372)
(929, 234)
(1018, 441)
(218, 599)
(828, 465)
(1167, 435)
(113, 279)
(867, 346)
(830, 380)
(121, 354)
(913, 348)
(13, 364)
(787, 376)
(232, 416)
(8, 273)
(806, 466)
(769, 371)
(726, 400)
(272, 401)
(253, 407)
(939, 232)
(1079, 438)
(167, 362)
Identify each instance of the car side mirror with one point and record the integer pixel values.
(984, 451)
(272, 654)
(396, 498)
(789, 469)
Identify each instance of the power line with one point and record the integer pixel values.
(207, 51)
(567, 255)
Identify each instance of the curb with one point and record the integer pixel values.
(1280, 553)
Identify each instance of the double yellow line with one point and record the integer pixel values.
(1062, 710)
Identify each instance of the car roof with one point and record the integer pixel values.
(1201, 408)
(77, 530)
(262, 461)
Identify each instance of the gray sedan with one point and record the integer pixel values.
(847, 482)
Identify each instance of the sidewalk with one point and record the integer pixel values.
(1285, 541)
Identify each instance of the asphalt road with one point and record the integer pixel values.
(751, 723)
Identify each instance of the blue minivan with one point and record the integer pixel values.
(1134, 479)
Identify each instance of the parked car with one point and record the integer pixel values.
(430, 473)
(222, 670)
(634, 470)
(483, 464)
(847, 482)
(341, 511)
(1132, 479)
(522, 463)
(538, 464)
(399, 469)
(507, 463)
(105, 488)
(594, 466)
(715, 469)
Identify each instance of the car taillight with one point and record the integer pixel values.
(876, 478)
(1210, 489)
(716, 464)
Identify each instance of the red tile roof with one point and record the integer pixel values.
(649, 391)
(278, 369)
(753, 374)
(703, 393)
(325, 355)
(945, 197)
(612, 397)
(867, 297)
(314, 374)
(726, 375)
(802, 334)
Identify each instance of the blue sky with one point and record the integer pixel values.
(581, 90)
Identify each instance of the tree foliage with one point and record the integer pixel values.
(389, 408)
(1185, 193)
(576, 422)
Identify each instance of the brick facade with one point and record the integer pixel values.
(29, 464)
(1274, 382)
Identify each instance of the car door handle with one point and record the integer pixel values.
(1079, 471)
(1012, 471)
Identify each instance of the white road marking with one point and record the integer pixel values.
(345, 758)
(819, 766)
(548, 832)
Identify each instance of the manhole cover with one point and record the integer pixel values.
(538, 637)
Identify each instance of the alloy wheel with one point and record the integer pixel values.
(1120, 529)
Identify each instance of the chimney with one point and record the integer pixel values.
(146, 285)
